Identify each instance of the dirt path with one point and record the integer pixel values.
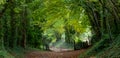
(48, 54)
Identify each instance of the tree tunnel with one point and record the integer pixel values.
(61, 25)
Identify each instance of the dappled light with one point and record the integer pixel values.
(59, 28)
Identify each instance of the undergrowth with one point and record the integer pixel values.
(5, 54)
(104, 49)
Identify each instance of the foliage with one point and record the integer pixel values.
(56, 16)
(104, 17)
(5, 54)
(36, 23)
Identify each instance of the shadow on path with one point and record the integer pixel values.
(50, 54)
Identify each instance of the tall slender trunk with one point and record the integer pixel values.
(24, 27)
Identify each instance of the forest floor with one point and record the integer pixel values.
(50, 54)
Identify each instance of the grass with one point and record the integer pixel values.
(5, 54)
